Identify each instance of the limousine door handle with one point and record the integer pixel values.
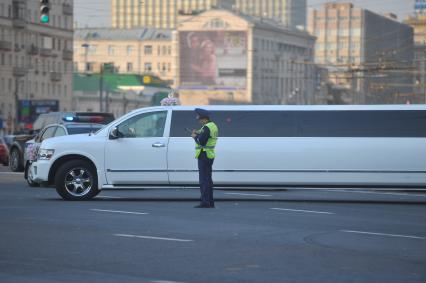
(158, 144)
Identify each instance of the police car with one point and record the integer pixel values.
(258, 146)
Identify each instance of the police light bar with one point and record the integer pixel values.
(84, 119)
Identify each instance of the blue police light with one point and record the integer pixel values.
(69, 118)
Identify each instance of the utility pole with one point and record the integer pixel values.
(101, 88)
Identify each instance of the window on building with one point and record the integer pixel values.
(92, 50)
(158, 50)
(129, 67)
(148, 49)
(111, 50)
(130, 50)
(169, 50)
(148, 67)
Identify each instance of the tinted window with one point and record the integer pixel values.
(48, 133)
(75, 130)
(351, 123)
(144, 125)
(239, 123)
(361, 123)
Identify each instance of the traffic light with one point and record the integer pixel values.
(44, 11)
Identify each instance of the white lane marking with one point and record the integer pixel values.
(383, 234)
(250, 195)
(377, 193)
(301, 210)
(164, 281)
(119, 211)
(11, 173)
(152, 238)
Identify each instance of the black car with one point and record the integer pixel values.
(16, 150)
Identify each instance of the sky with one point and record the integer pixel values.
(96, 13)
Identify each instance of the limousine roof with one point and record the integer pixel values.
(300, 107)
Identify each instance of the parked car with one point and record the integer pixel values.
(4, 152)
(17, 147)
(258, 146)
(50, 131)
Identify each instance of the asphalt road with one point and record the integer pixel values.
(155, 235)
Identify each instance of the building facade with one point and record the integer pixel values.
(132, 51)
(158, 13)
(229, 58)
(368, 54)
(418, 22)
(35, 59)
(291, 13)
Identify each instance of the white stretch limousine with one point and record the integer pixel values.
(258, 146)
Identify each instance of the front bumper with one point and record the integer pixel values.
(40, 170)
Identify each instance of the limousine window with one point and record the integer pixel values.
(334, 123)
(238, 123)
(144, 125)
(365, 123)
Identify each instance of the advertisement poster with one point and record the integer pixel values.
(213, 60)
(30, 109)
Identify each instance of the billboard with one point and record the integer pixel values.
(213, 60)
(30, 109)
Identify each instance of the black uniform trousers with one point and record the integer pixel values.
(205, 169)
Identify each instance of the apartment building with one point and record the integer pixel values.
(132, 51)
(368, 54)
(35, 59)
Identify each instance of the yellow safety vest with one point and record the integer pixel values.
(211, 142)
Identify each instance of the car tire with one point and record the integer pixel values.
(15, 161)
(29, 178)
(76, 180)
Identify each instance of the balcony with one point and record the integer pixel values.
(67, 55)
(18, 13)
(5, 45)
(32, 50)
(67, 9)
(46, 52)
(19, 71)
(55, 76)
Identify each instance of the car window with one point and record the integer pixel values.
(75, 130)
(60, 132)
(48, 133)
(144, 125)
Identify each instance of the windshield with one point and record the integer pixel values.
(80, 129)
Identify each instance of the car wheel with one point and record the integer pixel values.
(76, 180)
(29, 178)
(15, 161)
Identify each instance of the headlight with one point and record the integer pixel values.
(45, 154)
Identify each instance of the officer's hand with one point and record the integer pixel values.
(193, 135)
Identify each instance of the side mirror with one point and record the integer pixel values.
(114, 134)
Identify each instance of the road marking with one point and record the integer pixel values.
(383, 234)
(152, 238)
(11, 173)
(164, 281)
(250, 195)
(376, 193)
(119, 211)
(301, 210)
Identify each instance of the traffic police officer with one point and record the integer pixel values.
(205, 142)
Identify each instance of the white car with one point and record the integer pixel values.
(257, 146)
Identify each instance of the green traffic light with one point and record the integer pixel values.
(44, 19)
